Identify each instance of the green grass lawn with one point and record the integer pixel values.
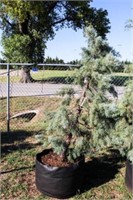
(39, 75)
(51, 73)
(104, 175)
(60, 75)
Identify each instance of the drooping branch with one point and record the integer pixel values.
(68, 138)
(66, 146)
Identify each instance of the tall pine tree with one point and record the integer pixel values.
(95, 122)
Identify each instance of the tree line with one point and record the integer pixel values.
(48, 60)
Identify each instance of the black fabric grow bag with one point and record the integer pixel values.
(58, 182)
(129, 175)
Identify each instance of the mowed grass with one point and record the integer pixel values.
(47, 75)
(40, 75)
(103, 175)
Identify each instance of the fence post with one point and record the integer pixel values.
(8, 98)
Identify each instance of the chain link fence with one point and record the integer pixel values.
(22, 105)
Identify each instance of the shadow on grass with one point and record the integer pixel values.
(11, 148)
(20, 135)
(101, 170)
(57, 80)
(120, 80)
(96, 172)
(15, 140)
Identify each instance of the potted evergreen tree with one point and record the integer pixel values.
(122, 137)
(80, 126)
(128, 147)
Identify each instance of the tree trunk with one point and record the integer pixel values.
(25, 75)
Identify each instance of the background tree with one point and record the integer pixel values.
(75, 62)
(54, 60)
(28, 25)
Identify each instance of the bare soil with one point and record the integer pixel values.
(54, 160)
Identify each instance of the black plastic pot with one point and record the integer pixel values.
(58, 182)
(129, 176)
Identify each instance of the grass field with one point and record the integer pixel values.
(104, 175)
(39, 75)
(61, 75)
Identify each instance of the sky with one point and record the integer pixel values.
(68, 44)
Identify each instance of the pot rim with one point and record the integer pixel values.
(38, 156)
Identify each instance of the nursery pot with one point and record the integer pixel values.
(129, 176)
(58, 182)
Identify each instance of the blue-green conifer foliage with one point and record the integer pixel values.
(98, 120)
